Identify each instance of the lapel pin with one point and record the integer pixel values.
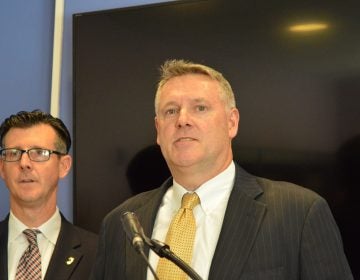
(70, 260)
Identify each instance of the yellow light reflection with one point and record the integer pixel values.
(308, 27)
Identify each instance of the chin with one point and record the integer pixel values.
(185, 162)
(29, 197)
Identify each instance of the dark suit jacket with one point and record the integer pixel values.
(73, 242)
(271, 230)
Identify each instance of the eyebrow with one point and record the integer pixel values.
(199, 100)
(195, 100)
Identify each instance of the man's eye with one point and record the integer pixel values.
(201, 108)
(40, 152)
(13, 153)
(170, 112)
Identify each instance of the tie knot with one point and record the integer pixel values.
(31, 235)
(190, 200)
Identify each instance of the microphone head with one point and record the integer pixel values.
(133, 230)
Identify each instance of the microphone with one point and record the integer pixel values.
(134, 231)
(135, 234)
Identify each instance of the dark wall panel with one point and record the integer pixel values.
(298, 96)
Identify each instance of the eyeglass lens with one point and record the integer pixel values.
(34, 154)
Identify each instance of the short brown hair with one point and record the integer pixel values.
(24, 119)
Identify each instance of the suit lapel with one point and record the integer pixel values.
(66, 253)
(147, 213)
(242, 221)
(3, 248)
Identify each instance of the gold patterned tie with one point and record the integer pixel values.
(180, 238)
(29, 267)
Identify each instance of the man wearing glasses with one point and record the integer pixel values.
(36, 241)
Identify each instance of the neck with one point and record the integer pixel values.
(192, 178)
(33, 217)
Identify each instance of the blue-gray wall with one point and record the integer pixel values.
(26, 29)
(26, 43)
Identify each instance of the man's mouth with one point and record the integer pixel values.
(184, 139)
(27, 181)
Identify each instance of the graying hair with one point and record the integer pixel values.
(178, 67)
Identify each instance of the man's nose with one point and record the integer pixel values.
(25, 161)
(184, 118)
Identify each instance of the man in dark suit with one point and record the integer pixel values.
(33, 157)
(246, 227)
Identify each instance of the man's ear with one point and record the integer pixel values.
(65, 165)
(234, 120)
(1, 168)
(157, 130)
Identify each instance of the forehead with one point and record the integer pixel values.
(193, 86)
(37, 135)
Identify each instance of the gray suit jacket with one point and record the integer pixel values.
(72, 242)
(271, 230)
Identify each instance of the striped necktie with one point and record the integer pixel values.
(180, 238)
(29, 267)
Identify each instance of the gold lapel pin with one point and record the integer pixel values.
(70, 260)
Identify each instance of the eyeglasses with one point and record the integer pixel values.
(35, 154)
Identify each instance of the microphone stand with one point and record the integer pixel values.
(163, 251)
(142, 253)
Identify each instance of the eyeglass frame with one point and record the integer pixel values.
(27, 152)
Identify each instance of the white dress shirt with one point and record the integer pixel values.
(17, 242)
(214, 195)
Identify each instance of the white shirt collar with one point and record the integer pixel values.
(211, 192)
(50, 229)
